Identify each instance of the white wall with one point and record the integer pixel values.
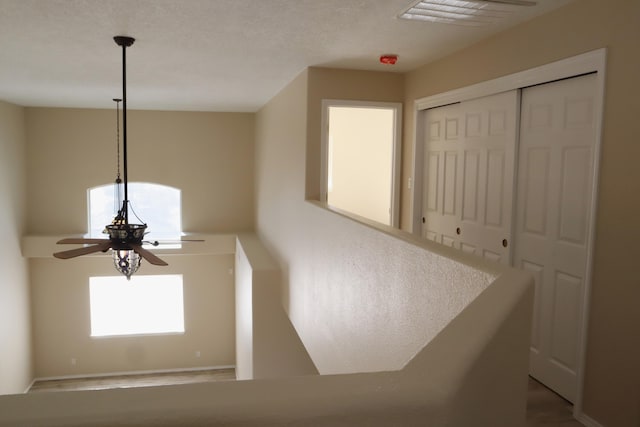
(15, 324)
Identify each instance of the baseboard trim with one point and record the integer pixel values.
(30, 385)
(123, 373)
(586, 420)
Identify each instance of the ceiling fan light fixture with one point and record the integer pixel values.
(126, 261)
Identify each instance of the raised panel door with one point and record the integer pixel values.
(555, 186)
(487, 174)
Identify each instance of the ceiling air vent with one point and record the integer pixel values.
(464, 12)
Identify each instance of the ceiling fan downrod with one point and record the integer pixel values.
(124, 42)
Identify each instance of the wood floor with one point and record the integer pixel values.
(129, 381)
(547, 409)
(544, 407)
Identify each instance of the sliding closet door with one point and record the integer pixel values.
(487, 175)
(555, 190)
(469, 156)
(440, 204)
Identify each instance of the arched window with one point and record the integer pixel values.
(158, 206)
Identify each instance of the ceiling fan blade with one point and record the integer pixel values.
(149, 256)
(83, 251)
(170, 242)
(81, 241)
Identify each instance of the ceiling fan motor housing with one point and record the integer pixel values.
(126, 233)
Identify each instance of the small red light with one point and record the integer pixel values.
(389, 59)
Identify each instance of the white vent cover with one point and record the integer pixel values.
(464, 12)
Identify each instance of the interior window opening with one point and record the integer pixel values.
(360, 156)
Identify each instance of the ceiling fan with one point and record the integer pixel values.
(125, 239)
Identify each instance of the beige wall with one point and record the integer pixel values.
(267, 345)
(327, 83)
(62, 325)
(279, 189)
(15, 325)
(361, 300)
(244, 315)
(209, 156)
(612, 394)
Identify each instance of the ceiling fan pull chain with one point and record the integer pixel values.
(135, 214)
(118, 180)
(117, 186)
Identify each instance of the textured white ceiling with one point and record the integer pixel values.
(208, 55)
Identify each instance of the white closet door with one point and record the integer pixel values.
(486, 174)
(440, 205)
(469, 157)
(555, 185)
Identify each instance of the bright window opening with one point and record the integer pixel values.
(157, 205)
(360, 158)
(143, 305)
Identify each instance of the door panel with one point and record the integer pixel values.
(565, 319)
(450, 178)
(554, 189)
(471, 186)
(535, 170)
(470, 249)
(433, 163)
(496, 171)
(574, 199)
(537, 271)
(492, 256)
